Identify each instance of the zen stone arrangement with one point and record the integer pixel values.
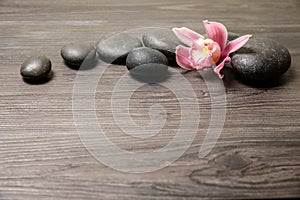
(260, 59)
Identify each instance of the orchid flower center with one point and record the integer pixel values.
(213, 49)
(206, 52)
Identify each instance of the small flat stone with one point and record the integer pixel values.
(75, 54)
(145, 55)
(36, 67)
(261, 60)
(163, 40)
(116, 48)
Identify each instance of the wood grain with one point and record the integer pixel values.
(42, 157)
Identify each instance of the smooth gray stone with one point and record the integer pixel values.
(36, 67)
(150, 73)
(75, 54)
(116, 48)
(232, 36)
(163, 40)
(261, 60)
(145, 55)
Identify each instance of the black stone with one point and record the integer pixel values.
(163, 40)
(150, 73)
(75, 54)
(37, 67)
(232, 36)
(116, 48)
(261, 60)
(145, 55)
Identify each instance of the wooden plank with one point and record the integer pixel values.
(42, 157)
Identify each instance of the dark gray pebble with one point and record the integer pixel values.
(36, 67)
(163, 40)
(261, 60)
(232, 36)
(75, 54)
(116, 48)
(150, 73)
(145, 55)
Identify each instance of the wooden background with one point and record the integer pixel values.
(42, 157)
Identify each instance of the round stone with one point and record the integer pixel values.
(75, 54)
(261, 60)
(145, 55)
(150, 73)
(163, 40)
(36, 67)
(116, 48)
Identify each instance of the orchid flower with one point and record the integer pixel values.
(204, 53)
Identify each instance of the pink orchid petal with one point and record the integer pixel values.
(235, 45)
(182, 57)
(196, 52)
(205, 63)
(216, 32)
(220, 66)
(187, 36)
